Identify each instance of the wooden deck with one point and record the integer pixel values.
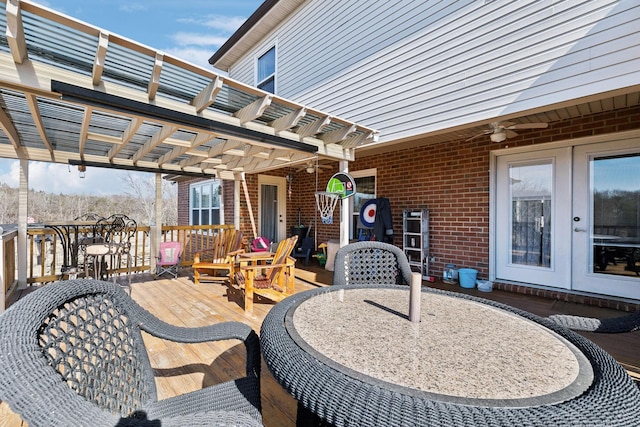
(182, 368)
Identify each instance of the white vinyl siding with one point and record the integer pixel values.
(411, 67)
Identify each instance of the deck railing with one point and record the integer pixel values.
(45, 253)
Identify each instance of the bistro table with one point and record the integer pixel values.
(69, 234)
(351, 357)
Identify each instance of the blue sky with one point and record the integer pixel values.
(189, 29)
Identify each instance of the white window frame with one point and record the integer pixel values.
(261, 53)
(220, 207)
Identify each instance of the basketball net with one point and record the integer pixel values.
(326, 204)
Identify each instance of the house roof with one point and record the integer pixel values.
(74, 93)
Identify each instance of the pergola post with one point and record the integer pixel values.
(156, 228)
(343, 166)
(23, 196)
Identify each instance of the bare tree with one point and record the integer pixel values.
(8, 204)
(138, 203)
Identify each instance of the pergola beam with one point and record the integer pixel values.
(15, 32)
(156, 139)
(314, 127)
(253, 110)
(12, 133)
(84, 130)
(338, 135)
(98, 61)
(201, 138)
(154, 80)
(288, 121)
(207, 96)
(32, 100)
(128, 133)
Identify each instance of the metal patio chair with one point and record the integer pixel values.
(115, 243)
(168, 260)
(304, 250)
(72, 353)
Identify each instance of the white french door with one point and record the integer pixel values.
(606, 220)
(568, 217)
(533, 218)
(272, 207)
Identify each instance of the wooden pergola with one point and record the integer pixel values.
(76, 94)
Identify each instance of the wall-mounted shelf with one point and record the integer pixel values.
(415, 239)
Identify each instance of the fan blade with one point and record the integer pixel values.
(528, 126)
(510, 133)
(486, 132)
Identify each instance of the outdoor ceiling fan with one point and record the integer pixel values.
(310, 167)
(500, 131)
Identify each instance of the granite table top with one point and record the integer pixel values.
(460, 348)
(350, 356)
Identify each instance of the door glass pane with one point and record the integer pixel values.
(615, 195)
(365, 191)
(269, 212)
(530, 190)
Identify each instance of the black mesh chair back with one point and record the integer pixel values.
(371, 263)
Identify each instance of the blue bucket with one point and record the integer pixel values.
(467, 277)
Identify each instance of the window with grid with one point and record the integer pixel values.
(204, 202)
(266, 75)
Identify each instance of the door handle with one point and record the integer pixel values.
(580, 229)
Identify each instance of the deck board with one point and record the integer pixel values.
(184, 367)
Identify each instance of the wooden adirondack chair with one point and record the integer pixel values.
(220, 257)
(271, 278)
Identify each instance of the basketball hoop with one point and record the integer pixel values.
(326, 202)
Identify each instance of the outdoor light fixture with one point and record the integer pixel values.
(311, 169)
(82, 169)
(498, 136)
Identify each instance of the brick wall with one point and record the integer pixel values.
(450, 179)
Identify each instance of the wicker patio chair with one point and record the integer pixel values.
(72, 353)
(371, 263)
(619, 324)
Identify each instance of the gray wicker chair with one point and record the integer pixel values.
(619, 324)
(72, 353)
(371, 262)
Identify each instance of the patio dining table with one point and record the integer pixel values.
(350, 357)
